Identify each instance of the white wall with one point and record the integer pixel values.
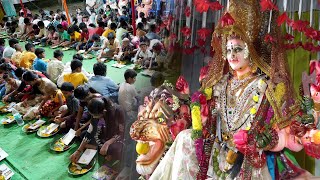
(18, 1)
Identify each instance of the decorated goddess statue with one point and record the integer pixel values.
(246, 120)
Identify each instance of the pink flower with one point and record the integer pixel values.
(187, 43)
(289, 37)
(311, 33)
(202, 99)
(182, 85)
(195, 96)
(269, 39)
(201, 42)
(201, 5)
(300, 25)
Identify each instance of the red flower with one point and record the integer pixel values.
(311, 33)
(308, 46)
(189, 51)
(203, 73)
(267, 5)
(187, 43)
(269, 39)
(281, 19)
(186, 31)
(204, 33)
(288, 37)
(201, 42)
(173, 36)
(215, 6)
(290, 22)
(182, 85)
(187, 11)
(300, 25)
(226, 20)
(290, 46)
(202, 99)
(298, 44)
(202, 5)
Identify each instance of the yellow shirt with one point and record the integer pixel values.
(106, 32)
(75, 79)
(55, 98)
(76, 37)
(26, 60)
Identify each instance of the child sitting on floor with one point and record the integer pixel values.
(27, 29)
(28, 57)
(66, 118)
(64, 37)
(143, 55)
(11, 83)
(97, 44)
(76, 77)
(52, 37)
(39, 64)
(111, 47)
(75, 38)
(42, 31)
(127, 51)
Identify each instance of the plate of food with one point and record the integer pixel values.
(79, 169)
(81, 51)
(65, 49)
(58, 145)
(54, 46)
(8, 120)
(48, 130)
(87, 56)
(32, 127)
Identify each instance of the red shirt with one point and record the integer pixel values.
(98, 30)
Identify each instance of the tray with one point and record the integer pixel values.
(58, 146)
(4, 122)
(72, 168)
(40, 134)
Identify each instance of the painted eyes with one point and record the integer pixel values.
(235, 50)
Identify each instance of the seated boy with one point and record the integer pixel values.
(66, 118)
(143, 55)
(97, 44)
(64, 37)
(111, 47)
(75, 38)
(127, 51)
(76, 77)
(39, 64)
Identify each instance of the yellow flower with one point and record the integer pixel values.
(196, 118)
(208, 93)
(255, 98)
(253, 110)
(248, 128)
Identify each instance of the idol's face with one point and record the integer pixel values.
(236, 54)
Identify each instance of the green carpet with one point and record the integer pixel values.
(30, 157)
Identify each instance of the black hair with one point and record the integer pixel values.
(51, 12)
(153, 28)
(36, 16)
(92, 25)
(26, 20)
(81, 92)
(2, 41)
(101, 24)
(78, 57)
(110, 36)
(40, 24)
(59, 26)
(19, 71)
(57, 53)
(96, 106)
(39, 51)
(141, 14)
(144, 39)
(70, 30)
(66, 86)
(75, 20)
(123, 24)
(6, 76)
(113, 26)
(157, 79)
(82, 25)
(140, 25)
(29, 76)
(144, 20)
(29, 46)
(63, 17)
(51, 27)
(75, 64)
(95, 37)
(6, 67)
(12, 42)
(99, 69)
(21, 14)
(129, 73)
(59, 10)
(35, 26)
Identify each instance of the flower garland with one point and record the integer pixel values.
(199, 112)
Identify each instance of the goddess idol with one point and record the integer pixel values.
(246, 120)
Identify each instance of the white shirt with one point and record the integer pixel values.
(127, 97)
(143, 55)
(8, 51)
(55, 69)
(91, 2)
